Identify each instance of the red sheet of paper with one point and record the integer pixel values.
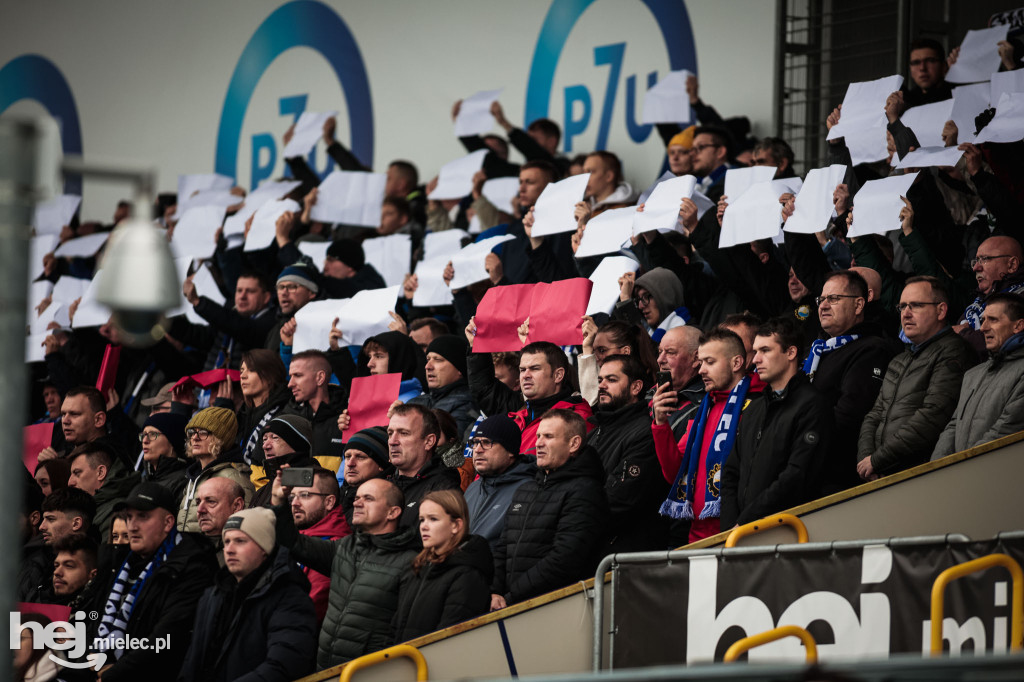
(36, 438)
(54, 612)
(207, 379)
(108, 369)
(498, 317)
(557, 310)
(369, 401)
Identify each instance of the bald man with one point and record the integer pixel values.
(997, 270)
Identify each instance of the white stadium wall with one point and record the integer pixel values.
(198, 87)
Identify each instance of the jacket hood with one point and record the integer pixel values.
(665, 287)
(403, 356)
(623, 194)
(399, 541)
(232, 456)
(522, 469)
(332, 525)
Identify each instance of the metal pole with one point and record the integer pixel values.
(19, 142)
(901, 37)
(778, 104)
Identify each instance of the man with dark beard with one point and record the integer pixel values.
(623, 440)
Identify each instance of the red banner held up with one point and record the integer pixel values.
(498, 317)
(557, 310)
(35, 439)
(207, 379)
(369, 401)
(108, 369)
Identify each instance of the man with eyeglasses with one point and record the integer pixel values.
(997, 269)
(654, 301)
(921, 385)
(847, 365)
(928, 73)
(317, 513)
(297, 285)
(711, 160)
(501, 470)
(991, 401)
(163, 451)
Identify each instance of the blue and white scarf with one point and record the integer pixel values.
(823, 347)
(118, 611)
(679, 504)
(972, 313)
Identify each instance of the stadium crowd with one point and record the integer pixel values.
(248, 525)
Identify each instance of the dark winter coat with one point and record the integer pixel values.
(633, 484)
(326, 435)
(166, 607)
(260, 629)
(553, 531)
(489, 497)
(917, 399)
(455, 399)
(170, 472)
(447, 593)
(433, 476)
(365, 571)
(252, 419)
(777, 460)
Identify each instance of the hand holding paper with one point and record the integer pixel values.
(553, 212)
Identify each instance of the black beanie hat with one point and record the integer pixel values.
(503, 431)
(349, 252)
(294, 430)
(374, 443)
(452, 348)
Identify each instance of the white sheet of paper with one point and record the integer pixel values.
(469, 262)
(430, 288)
(757, 214)
(351, 198)
(360, 317)
(474, 226)
(667, 101)
(739, 180)
(264, 223)
(51, 216)
(34, 350)
(605, 277)
(968, 102)
(201, 182)
(863, 120)
(37, 291)
(317, 251)
(38, 323)
(82, 247)
(90, 312)
(553, 212)
(475, 113)
(646, 194)
(814, 207)
(390, 255)
(268, 191)
(703, 203)
(661, 210)
(876, 207)
(979, 56)
(444, 244)
(210, 197)
(1008, 123)
(455, 179)
(502, 192)
(206, 286)
(67, 289)
(927, 121)
(607, 232)
(931, 156)
(308, 129)
(39, 247)
(1006, 81)
(181, 266)
(194, 234)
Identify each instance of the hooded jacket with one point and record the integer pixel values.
(443, 594)
(404, 357)
(620, 198)
(433, 476)
(333, 526)
(326, 436)
(260, 629)
(667, 291)
(170, 472)
(553, 531)
(489, 497)
(365, 571)
(991, 403)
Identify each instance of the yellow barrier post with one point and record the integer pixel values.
(766, 523)
(738, 648)
(397, 651)
(974, 566)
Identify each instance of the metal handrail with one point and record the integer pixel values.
(767, 523)
(747, 643)
(397, 651)
(974, 566)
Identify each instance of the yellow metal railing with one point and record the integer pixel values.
(974, 566)
(747, 643)
(397, 651)
(766, 523)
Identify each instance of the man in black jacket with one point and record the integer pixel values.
(783, 438)
(847, 367)
(315, 399)
(447, 386)
(155, 591)
(257, 619)
(555, 527)
(413, 433)
(622, 438)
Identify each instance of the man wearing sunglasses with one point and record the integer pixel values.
(921, 385)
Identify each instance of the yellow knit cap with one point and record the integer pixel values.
(220, 421)
(683, 139)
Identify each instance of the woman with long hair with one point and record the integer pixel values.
(264, 383)
(449, 581)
